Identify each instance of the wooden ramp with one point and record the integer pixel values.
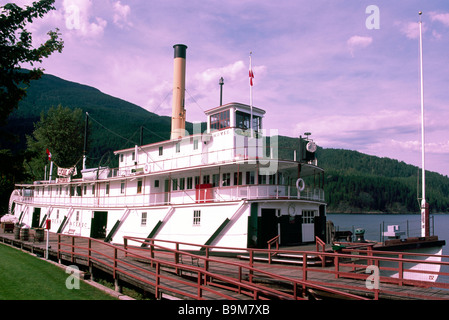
(173, 270)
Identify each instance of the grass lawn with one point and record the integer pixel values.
(24, 277)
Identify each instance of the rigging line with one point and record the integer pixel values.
(152, 113)
(195, 101)
(156, 134)
(128, 140)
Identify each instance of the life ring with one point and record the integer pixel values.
(291, 209)
(300, 184)
(146, 168)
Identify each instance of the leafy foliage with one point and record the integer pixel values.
(16, 47)
(61, 131)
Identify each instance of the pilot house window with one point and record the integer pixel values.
(221, 120)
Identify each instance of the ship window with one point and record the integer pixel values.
(93, 189)
(121, 157)
(175, 184)
(156, 183)
(182, 183)
(197, 181)
(143, 220)
(133, 156)
(178, 147)
(77, 216)
(122, 187)
(226, 179)
(221, 120)
(243, 120)
(189, 183)
(237, 178)
(250, 177)
(215, 180)
(196, 217)
(308, 216)
(139, 186)
(195, 144)
(107, 188)
(206, 179)
(161, 151)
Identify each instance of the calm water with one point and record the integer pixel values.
(409, 223)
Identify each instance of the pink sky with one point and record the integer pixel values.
(318, 67)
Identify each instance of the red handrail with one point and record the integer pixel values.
(239, 284)
(345, 264)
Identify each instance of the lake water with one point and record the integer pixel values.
(375, 224)
(409, 223)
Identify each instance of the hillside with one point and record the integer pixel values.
(122, 117)
(354, 182)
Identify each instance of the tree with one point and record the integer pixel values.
(61, 131)
(16, 48)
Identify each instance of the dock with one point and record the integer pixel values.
(180, 271)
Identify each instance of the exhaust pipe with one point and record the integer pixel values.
(178, 121)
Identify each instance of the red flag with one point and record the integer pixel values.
(251, 77)
(49, 155)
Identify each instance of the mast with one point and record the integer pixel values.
(424, 206)
(86, 125)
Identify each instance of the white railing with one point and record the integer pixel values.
(217, 194)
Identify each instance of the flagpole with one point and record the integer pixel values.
(424, 207)
(51, 170)
(251, 94)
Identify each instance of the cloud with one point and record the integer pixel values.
(121, 13)
(415, 145)
(356, 42)
(356, 131)
(78, 17)
(410, 29)
(440, 17)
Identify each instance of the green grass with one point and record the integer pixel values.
(24, 277)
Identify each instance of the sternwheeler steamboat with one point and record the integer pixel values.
(227, 186)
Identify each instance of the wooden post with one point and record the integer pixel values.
(251, 253)
(336, 266)
(73, 249)
(89, 251)
(304, 266)
(59, 248)
(200, 291)
(401, 269)
(156, 287)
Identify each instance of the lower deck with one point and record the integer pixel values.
(239, 224)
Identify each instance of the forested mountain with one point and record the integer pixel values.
(123, 119)
(354, 182)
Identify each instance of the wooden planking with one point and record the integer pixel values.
(223, 267)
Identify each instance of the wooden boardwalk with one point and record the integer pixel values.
(170, 273)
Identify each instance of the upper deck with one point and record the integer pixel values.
(233, 159)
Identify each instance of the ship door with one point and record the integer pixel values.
(167, 191)
(268, 227)
(308, 225)
(98, 225)
(36, 218)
